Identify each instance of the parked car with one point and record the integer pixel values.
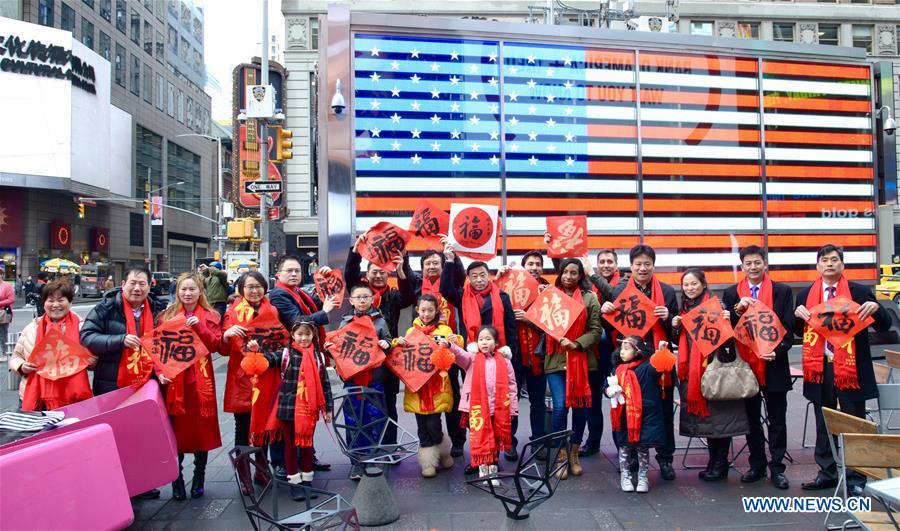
(889, 288)
(161, 284)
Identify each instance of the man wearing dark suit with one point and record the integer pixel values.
(772, 368)
(819, 383)
(643, 262)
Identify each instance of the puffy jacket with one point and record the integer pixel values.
(24, 347)
(466, 360)
(216, 285)
(443, 400)
(103, 333)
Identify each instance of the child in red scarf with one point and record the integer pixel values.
(304, 394)
(638, 422)
(489, 398)
(435, 397)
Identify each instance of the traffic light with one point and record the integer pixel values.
(240, 229)
(283, 144)
(146, 206)
(80, 210)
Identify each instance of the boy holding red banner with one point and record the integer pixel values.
(837, 372)
(435, 397)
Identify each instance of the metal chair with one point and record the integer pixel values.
(328, 511)
(888, 400)
(533, 482)
(839, 423)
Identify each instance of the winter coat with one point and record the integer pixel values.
(443, 400)
(7, 298)
(289, 309)
(587, 342)
(653, 429)
(24, 347)
(393, 301)
(103, 333)
(288, 361)
(380, 374)
(466, 361)
(215, 282)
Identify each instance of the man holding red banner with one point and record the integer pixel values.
(771, 368)
(833, 373)
(643, 261)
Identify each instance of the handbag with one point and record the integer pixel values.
(728, 380)
(5, 316)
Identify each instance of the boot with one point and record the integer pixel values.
(428, 458)
(484, 471)
(643, 484)
(717, 467)
(574, 464)
(294, 479)
(259, 477)
(561, 458)
(299, 490)
(178, 492)
(625, 478)
(493, 469)
(199, 474)
(444, 453)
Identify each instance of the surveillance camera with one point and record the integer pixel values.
(337, 101)
(890, 125)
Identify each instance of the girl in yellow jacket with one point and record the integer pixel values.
(435, 397)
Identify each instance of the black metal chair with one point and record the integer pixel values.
(327, 511)
(533, 482)
(360, 425)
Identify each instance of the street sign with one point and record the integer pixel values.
(262, 187)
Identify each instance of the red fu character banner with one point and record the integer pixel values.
(268, 332)
(554, 312)
(330, 284)
(707, 327)
(355, 348)
(382, 243)
(837, 321)
(173, 347)
(473, 230)
(412, 363)
(57, 356)
(633, 315)
(521, 287)
(759, 329)
(568, 236)
(429, 223)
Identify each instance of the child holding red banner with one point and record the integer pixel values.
(435, 397)
(304, 394)
(638, 423)
(489, 397)
(361, 296)
(191, 395)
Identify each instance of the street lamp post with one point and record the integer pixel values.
(150, 216)
(220, 244)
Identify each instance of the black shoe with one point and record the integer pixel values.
(589, 450)
(666, 471)
(456, 451)
(280, 473)
(319, 466)
(469, 470)
(820, 484)
(753, 476)
(780, 481)
(511, 455)
(197, 483)
(178, 493)
(716, 472)
(856, 490)
(152, 494)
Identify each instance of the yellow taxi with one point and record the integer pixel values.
(889, 288)
(889, 269)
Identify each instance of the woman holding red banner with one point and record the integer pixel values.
(717, 421)
(37, 393)
(191, 395)
(569, 360)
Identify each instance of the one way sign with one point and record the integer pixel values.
(262, 187)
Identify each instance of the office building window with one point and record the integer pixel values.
(89, 3)
(314, 34)
(135, 75)
(120, 15)
(104, 45)
(747, 30)
(137, 227)
(160, 92)
(189, 110)
(148, 84)
(183, 165)
(828, 34)
(148, 38)
(783, 32)
(183, 49)
(160, 48)
(173, 40)
(147, 154)
(120, 65)
(180, 109)
(862, 37)
(701, 28)
(170, 98)
(106, 10)
(87, 33)
(45, 13)
(135, 27)
(66, 18)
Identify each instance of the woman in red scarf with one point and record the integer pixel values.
(191, 395)
(717, 421)
(569, 360)
(38, 393)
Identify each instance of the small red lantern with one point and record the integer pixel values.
(253, 365)
(443, 359)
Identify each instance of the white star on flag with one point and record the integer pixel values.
(375, 132)
(532, 109)
(435, 93)
(474, 146)
(569, 111)
(455, 159)
(454, 134)
(533, 161)
(514, 148)
(474, 120)
(531, 58)
(495, 108)
(550, 72)
(414, 53)
(435, 67)
(551, 148)
(415, 158)
(495, 135)
(532, 136)
(395, 92)
(375, 104)
(454, 107)
(531, 84)
(570, 161)
(567, 61)
(492, 82)
(473, 69)
(494, 160)
(454, 80)
(454, 55)
(375, 77)
(375, 159)
(435, 119)
(551, 98)
(415, 133)
(513, 70)
(395, 65)
(473, 95)
(513, 121)
(513, 96)
(435, 146)
(570, 137)
(395, 118)
(551, 123)
(375, 51)
(492, 57)
(415, 105)
(396, 145)
(415, 79)
(568, 84)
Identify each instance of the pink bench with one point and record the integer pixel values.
(70, 480)
(140, 424)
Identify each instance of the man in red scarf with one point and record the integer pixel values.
(772, 368)
(429, 282)
(828, 375)
(643, 262)
(481, 302)
(112, 332)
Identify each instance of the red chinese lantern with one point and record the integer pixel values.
(253, 365)
(663, 360)
(443, 359)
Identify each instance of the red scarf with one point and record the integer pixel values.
(135, 367)
(691, 366)
(659, 333)
(310, 398)
(306, 303)
(202, 379)
(43, 394)
(529, 339)
(634, 406)
(489, 434)
(238, 391)
(814, 345)
(435, 384)
(766, 297)
(578, 390)
(377, 294)
(613, 281)
(433, 287)
(472, 301)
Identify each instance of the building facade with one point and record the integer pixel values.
(154, 50)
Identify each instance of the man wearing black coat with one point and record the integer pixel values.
(777, 370)
(643, 263)
(830, 265)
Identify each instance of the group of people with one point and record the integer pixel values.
(496, 351)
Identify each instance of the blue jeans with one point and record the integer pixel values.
(537, 389)
(557, 383)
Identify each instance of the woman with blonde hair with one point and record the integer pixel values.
(191, 395)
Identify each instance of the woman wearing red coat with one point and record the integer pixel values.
(191, 395)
